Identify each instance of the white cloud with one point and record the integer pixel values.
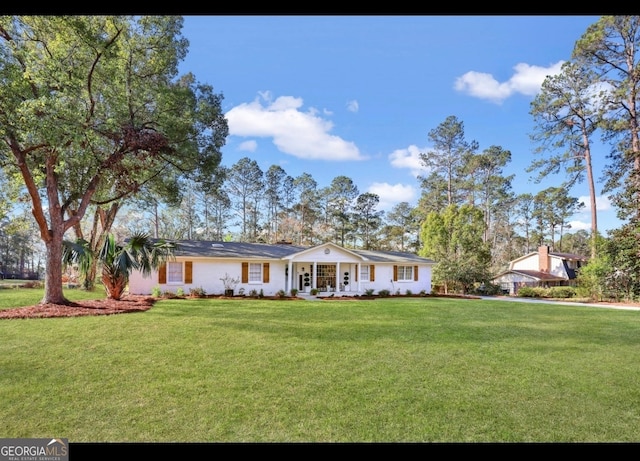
(249, 146)
(353, 106)
(483, 86)
(526, 80)
(602, 203)
(305, 135)
(578, 225)
(408, 158)
(392, 194)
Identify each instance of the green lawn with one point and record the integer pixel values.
(384, 370)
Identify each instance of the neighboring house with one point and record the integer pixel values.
(269, 268)
(542, 268)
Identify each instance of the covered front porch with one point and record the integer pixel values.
(325, 277)
(328, 269)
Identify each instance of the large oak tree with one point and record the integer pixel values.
(91, 109)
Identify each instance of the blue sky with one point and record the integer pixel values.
(358, 95)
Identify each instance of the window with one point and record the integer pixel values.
(326, 276)
(405, 273)
(174, 272)
(255, 272)
(364, 273)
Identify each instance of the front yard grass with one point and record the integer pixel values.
(385, 370)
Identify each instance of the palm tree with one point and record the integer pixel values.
(139, 252)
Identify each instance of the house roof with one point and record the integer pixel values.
(568, 256)
(217, 249)
(536, 275)
(554, 254)
(325, 245)
(392, 257)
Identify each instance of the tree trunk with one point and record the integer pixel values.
(53, 236)
(53, 275)
(592, 204)
(114, 285)
(102, 223)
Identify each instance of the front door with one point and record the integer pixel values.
(326, 277)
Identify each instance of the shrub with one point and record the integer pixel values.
(369, 292)
(314, 291)
(561, 292)
(488, 289)
(229, 282)
(551, 292)
(294, 292)
(180, 292)
(197, 292)
(592, 278)
(280, 294)
(156, 291)
(253, 293)
(408, 292)
(384, 293)
(529, 292)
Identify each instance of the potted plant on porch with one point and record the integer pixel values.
(230, 284)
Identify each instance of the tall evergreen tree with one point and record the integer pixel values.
(245, 184)
(447, 158)
(367, 218)
(307, 209)
(274, 191)
(611, 48)
(342, 195)
(566, 113)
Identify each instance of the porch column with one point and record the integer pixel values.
(314, 278)
(289, 276)
(359, 276)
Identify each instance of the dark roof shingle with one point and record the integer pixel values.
(217, 249)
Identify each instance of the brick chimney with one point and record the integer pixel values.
(543, 258)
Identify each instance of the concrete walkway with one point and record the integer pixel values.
(307, 297)
(516, 299)
(565, 303)
(324, 294)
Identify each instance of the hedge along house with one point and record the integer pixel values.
(542, 268)
(246, 268)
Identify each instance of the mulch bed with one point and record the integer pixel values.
(79, 308)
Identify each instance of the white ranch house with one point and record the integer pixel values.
(269, 268)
